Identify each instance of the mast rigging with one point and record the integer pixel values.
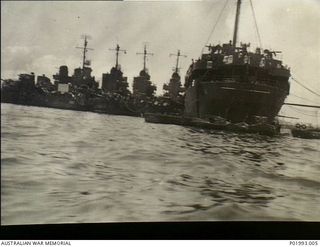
(236, 24)
(117, 54)
(178, 55)
(145, 54)
(85, 50)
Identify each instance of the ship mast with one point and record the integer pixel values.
(177, 63)
(145, 54)
(85, 50)
(117, 54)
(236, 24)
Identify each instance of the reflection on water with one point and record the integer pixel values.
(64, 166)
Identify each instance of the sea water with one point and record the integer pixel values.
(61, 166)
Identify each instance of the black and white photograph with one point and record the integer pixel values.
(160, 111)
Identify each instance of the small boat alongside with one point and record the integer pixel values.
(306, 133)
(219, 124)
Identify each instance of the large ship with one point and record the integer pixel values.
(231, 82)
(67, 92)
(114, 96)
(73, 92)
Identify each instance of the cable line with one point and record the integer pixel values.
(294, 104)
(256, 23)
(215, 25)
(291, 94)
(303, 112)
(310, 90)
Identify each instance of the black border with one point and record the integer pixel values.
(232, 230)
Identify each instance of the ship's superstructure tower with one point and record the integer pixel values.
(44, 82)
(82, 76)
(174, 89)
(142, 86)
(62, 80)
(114, 81)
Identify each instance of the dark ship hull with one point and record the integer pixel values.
(22, 92)
(113, 105)
(37, 97)
(234, 101)
(65, 102)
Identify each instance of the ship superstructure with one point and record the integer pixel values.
(142, 85)
(114, 81)
(81, 77)
(174, 88)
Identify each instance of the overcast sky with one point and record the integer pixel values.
(40, 36)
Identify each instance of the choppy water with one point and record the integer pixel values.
(63, 166)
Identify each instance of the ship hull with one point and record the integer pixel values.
(234, 101)
(65, 102)
(20, 96)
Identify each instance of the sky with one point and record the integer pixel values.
(39, 36)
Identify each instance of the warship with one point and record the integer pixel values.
(142, 86)
(23, 91)
(115, 82)
(231, 82)
(174, 89)
(67, 92)
(73, 92)
(143, 90)
(114, 96)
